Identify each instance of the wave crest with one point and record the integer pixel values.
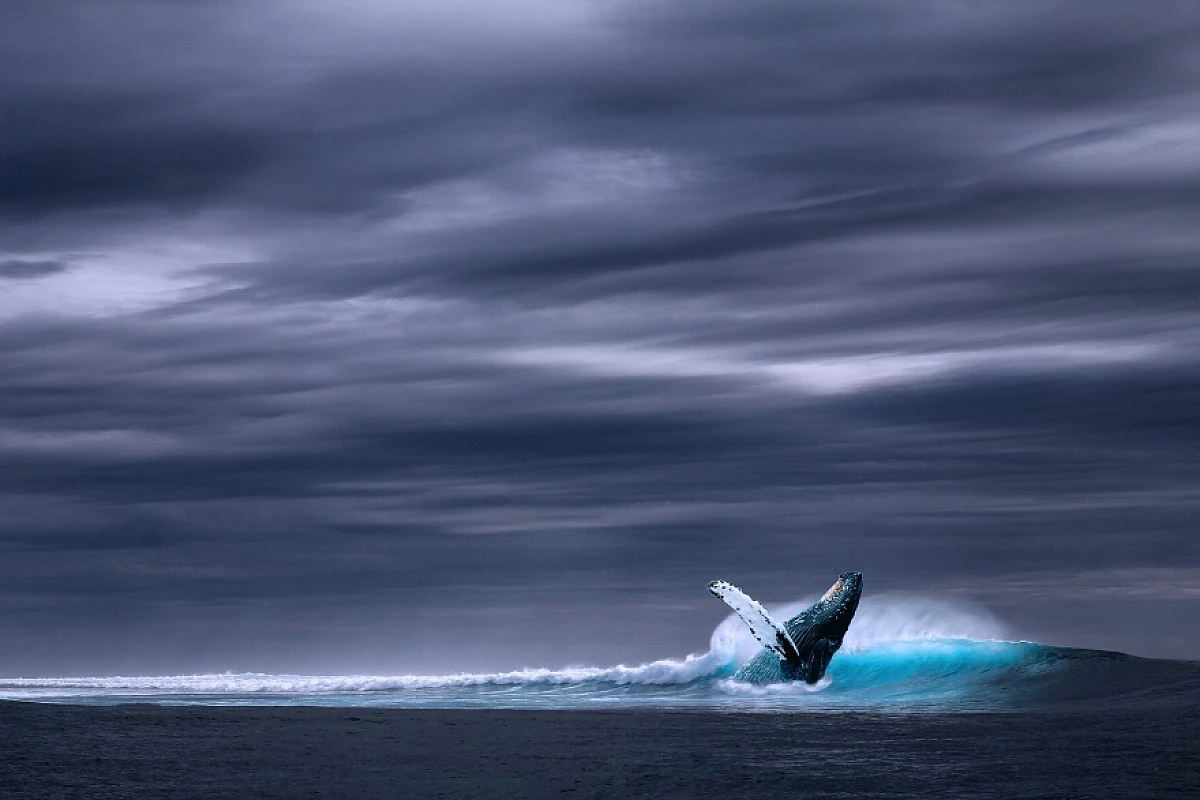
(656, 673)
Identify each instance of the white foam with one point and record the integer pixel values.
(788, 689)
(663, 672)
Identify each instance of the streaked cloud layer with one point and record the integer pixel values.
(323, 327)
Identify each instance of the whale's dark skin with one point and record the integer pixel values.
(817, 632)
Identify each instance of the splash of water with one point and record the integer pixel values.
(881, 619)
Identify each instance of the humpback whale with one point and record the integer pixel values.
(801, 648)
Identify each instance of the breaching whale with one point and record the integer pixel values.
(801, 648)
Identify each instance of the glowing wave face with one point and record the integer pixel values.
(902, 652)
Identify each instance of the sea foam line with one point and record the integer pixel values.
(663, 672)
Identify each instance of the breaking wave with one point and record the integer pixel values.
(901, 653)
(880, 619)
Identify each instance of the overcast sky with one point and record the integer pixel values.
(459, 335)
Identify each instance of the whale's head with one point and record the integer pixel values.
(846, 589)
(834, 611)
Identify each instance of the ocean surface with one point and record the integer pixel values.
(903, 654)
(925, 700)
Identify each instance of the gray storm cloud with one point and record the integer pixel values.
(321, 327)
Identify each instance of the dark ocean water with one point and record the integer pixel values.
(939, 718)
(53, 751)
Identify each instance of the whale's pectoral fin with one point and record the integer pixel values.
(769, 633)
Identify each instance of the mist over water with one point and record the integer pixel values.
(903, 652)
